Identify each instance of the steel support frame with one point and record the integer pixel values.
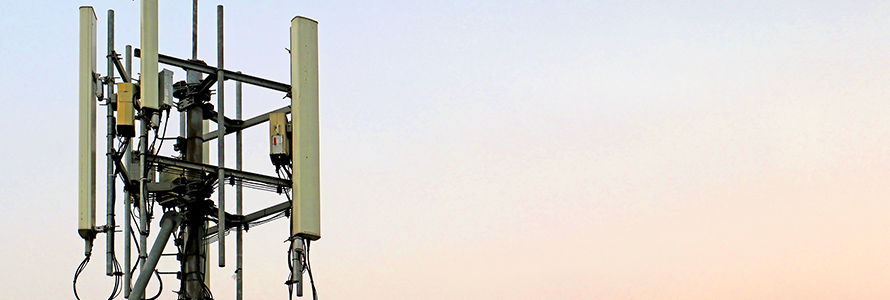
(271, 210)
(139, 191)
(221, 142)
(239, 236)
(109, 154)
(238, 174)
(260, 119)
(127, 196)
(114, 58)
(236, 76)
(169, 222)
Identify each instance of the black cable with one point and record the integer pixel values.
(147, 231)
(118, 284)
(163, 134)
(286, 194)
(290, 267)
(118, 274)
(288, 172)
(205, 287)
(267, 220)
(135, 240)
(156, 136)
(160, 286)
(150, 208)
(83, 265)
(135, 224)
(309, 270)
(133, 270)
(122, 144)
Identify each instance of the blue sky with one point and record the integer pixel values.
(513, 149)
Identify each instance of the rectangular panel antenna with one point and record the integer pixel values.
(148, 63)
(165, 88)
(87, 97)
(306, 213)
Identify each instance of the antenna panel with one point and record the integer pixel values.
(87, 125)
(306, 213)
(148, 63)
(165, 88)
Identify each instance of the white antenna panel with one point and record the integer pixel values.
(87, 125)
(148, 82)
(306, 210)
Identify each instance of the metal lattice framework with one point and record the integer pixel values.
(183, 185)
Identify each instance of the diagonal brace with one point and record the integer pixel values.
(235, 126)
(169, 222)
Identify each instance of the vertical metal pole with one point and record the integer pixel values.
(143, 191)
(182, 116)
(128, 62)
(194, 230)
(143, 180)
(169, 222)
(221, 140)
(195, 29)
(298, 266)
(239, 242)
(109, 161)
(127, 230)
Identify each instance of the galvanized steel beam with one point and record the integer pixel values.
(189, 65)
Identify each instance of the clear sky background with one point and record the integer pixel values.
(510, 150)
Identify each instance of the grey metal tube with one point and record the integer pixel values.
(143, 194)
(298, 266)
(143, 190)
(268, 211)
(169, 161)
(221, 142)
(127, 230)
(125, 76)
(109, 161)
(127, 200)
(195, 29)
(239, 236)
(169, 222)
(194, 254)
(188, 65)
(248, 123)
(128, 59)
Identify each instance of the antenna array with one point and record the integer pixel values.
(183, 185)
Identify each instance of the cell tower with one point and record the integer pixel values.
(183, 185)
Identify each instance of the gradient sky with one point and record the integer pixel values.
(511, 149)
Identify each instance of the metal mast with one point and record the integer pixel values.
(183, 185)
(194, 228)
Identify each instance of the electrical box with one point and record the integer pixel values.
(125, 111)
(165, 88)
(279, 141)
(306, 210)
(87, 125)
